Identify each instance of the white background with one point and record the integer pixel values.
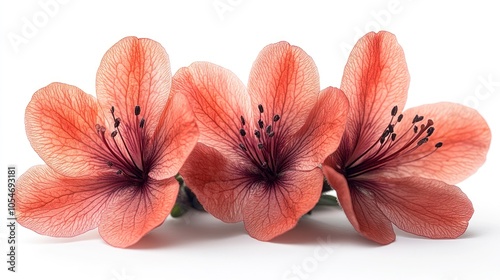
(453, 54)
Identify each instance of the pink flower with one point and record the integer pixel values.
(260, 147)
(111, 161)
(399, 169)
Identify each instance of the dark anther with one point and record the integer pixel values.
(112, 109)
(137, 110)
(394, 111)
(422, 141)
(417, 118)
(390, 128)
(393, 136)
(269, 128)
(242, 120)
(415, 129)
(109, 163)
(113, 134)
(276, 118)
(271, 134)
(438, 144)
(261, 108)
(382, 140)
(117, 122)
(400, 117)
(243, 132)
(119, 172)
(257, 134)
(261, 124)
(430, 130)
(243, 147)
(261, 146)
(141, 124)
(430, 122)
(385, 134)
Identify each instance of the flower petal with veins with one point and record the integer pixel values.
(61, 127)
(55, 205)
(136, 212)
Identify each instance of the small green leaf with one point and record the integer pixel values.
(178, 211)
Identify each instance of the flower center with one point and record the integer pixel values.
(261, 146)
(390, 145)
(125, 146)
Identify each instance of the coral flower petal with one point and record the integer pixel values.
(55, 205)
(61, 127)
(361, 209)
(218, 99)
(323, 129)
(271, 211)
(174, 139)
(285, 80)
(375, 80)
(216, 185)
(133, 212)
(465, 136)
(134, 72)
(423, 206)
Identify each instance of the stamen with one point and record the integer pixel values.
(430, 130)
(375, 157)
(261, 150)
(117, 122)
(269, 129)
(422, 141)
(120, 152)
(257, 134)
(390, 128)
(394, 111)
